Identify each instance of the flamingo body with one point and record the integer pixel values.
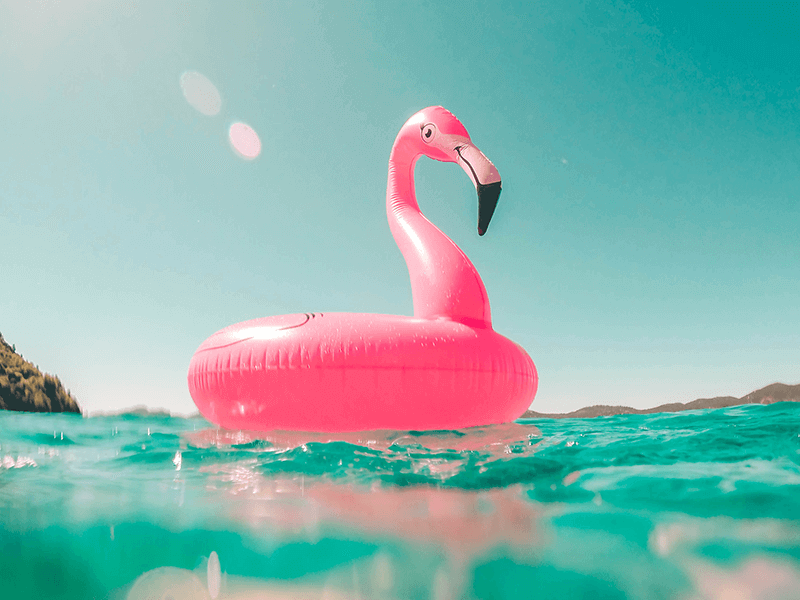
(348, 372)
(443, 368)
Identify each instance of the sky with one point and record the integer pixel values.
(645, 249)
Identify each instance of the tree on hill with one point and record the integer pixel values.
(24, 387)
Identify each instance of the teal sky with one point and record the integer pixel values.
(646, 247)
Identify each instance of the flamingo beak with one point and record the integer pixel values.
(486, 180)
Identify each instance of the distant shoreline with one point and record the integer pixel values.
(140, 410)
(776, 392)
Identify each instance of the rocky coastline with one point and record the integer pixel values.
(23, 387)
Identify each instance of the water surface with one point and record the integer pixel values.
(699, 504)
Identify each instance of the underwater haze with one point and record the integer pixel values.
(692, 505)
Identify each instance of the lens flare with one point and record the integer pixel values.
(201, 93)
(244, 140)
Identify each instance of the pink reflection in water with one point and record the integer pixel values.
(493, 439)
(454, 524)
(245, 140)
(457, 525)
(465, 523)
(758, 578)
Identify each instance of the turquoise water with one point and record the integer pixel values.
(701, 504)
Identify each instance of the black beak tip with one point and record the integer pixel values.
(487, 201)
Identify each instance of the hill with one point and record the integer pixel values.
(776, 392)
(24, 387)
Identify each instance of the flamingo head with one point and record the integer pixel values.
(438, 134)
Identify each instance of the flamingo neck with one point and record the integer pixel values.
(444, 282)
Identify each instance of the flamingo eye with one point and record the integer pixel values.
(428, 132)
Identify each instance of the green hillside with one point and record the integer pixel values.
(24, 387)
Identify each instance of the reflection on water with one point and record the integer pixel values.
(643, 507)
(760, 578)
(455, 525)
(451, 527)
(493, 439)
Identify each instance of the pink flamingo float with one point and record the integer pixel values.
(443, 368)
